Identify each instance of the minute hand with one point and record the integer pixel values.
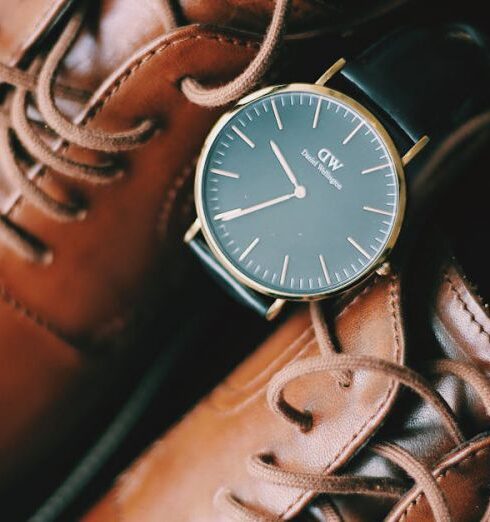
(238, 212)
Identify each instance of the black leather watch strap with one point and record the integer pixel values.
(427, 79)
(417, 81)
(241, 293)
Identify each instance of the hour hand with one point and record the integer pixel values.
(284, 164)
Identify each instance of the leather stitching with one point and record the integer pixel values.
(372, 419)
(121, 79)
(247, 400)
(104, 99)
(170, 197)
(275, 362)
(9, 300)
(441, 476)
(148, 56)
(465, 306)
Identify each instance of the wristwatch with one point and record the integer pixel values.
(301, 189)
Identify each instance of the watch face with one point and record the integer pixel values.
(299, 192)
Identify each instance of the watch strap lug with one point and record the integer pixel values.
(331, 71)
(414, 150)
(192, 231)
(275, 309)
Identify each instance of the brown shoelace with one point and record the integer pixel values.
(38, 85)
(263, 467)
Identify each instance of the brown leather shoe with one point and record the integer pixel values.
(90, 255)
(315, 425)
(93, 203)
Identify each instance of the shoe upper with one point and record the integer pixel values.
(234, 456)
(87, 264)
(67, 325)
(69, 317)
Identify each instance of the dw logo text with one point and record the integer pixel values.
(326, 157)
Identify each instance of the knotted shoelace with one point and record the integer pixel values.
(38, 86)
(263, 467)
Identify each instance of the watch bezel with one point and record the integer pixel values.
(206, 229)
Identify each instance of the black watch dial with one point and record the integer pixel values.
(300, 192)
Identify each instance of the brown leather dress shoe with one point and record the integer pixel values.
(315, 425)
(97, 149)
(320, 422)
(90, 255)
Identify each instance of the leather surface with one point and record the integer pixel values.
(130, 223)
(209, 449)
(413, 424)
(118, 274)
(464, 477)
(78, 316)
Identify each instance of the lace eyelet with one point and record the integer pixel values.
(154, 125)
(306, 423)
(46, 257)
(179, 83)
(347, 383)
(81, 214)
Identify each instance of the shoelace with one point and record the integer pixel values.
(264, 467)
(38, 86)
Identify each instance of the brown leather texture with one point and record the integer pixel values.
(464, 478)
(68, 328)
(438, 324)
(209, 449)
(461, 318)
(95, 309)
(63, 325)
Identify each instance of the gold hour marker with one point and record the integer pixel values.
(352, 134)
(317, 113)
(355, 244)
(249, 249)
(284, 269)
(374, 169)
(244, 137)
(276, 114)
(225, 173)
(378, 211)
(324, 269)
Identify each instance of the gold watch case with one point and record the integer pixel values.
(201, 223)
